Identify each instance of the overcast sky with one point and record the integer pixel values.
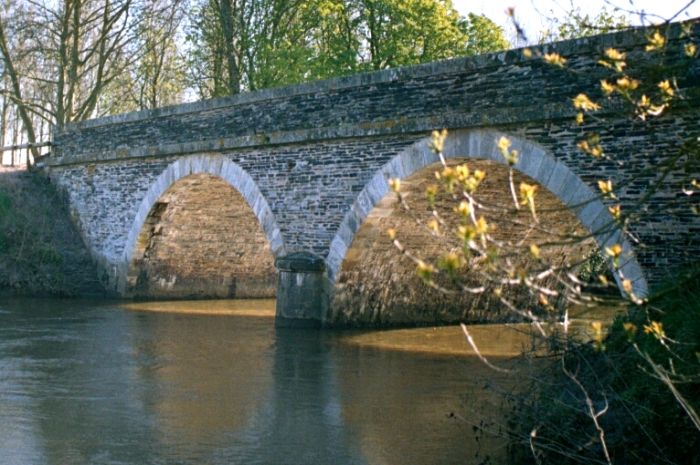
(531, 13)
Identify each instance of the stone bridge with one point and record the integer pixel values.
(284, 191)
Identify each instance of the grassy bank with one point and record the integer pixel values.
(41, 252)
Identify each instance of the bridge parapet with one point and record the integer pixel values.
(508, 88)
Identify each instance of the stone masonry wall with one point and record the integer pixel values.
(318, 154)
(379, 286)
(201, 241)
(302, 184)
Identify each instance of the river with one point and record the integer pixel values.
(215, 383)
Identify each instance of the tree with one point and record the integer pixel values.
(252, 44)
(334, 44)
(238, 45)
(15, 91)
(156, 77)
(61, 57)
(400, 32)
(577, 24)
(483, 35)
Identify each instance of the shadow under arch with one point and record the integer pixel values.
(534, 161)
(207, 164)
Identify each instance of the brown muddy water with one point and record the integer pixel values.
(215, 383)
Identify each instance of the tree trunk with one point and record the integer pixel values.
(226, 9)
(15, 130)
(17, 92)
(3, 124)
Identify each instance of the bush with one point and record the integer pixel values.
(645, 422)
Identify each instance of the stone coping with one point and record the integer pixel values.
(300, 262)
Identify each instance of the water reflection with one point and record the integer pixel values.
(92, 383)
(209, 381)
(301, 421)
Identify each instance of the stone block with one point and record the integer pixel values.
(363, 205)
(530, 160)
(302, 292)
(377, 188)
(560, 180)
(579, 197)
(395, 167)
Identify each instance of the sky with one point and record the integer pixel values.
(532, 13)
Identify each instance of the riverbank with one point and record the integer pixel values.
(41, 252)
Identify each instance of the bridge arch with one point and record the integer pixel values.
(213, 165)
(534, 162)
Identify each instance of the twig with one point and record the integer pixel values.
(592, 413)
(471, 342)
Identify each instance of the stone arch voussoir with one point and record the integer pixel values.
(215, 165)
(534, 162)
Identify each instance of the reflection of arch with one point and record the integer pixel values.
(534, 161)
(215, 165)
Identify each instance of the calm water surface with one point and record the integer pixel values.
(97, 383)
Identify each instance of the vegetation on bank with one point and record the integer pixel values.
(41, 252)
(633, 396)
(643, 380)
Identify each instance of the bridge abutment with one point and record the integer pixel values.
(302, 290)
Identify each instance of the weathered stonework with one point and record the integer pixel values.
(312, 161)
(378, 286)
(303, 290)
(201, 239)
